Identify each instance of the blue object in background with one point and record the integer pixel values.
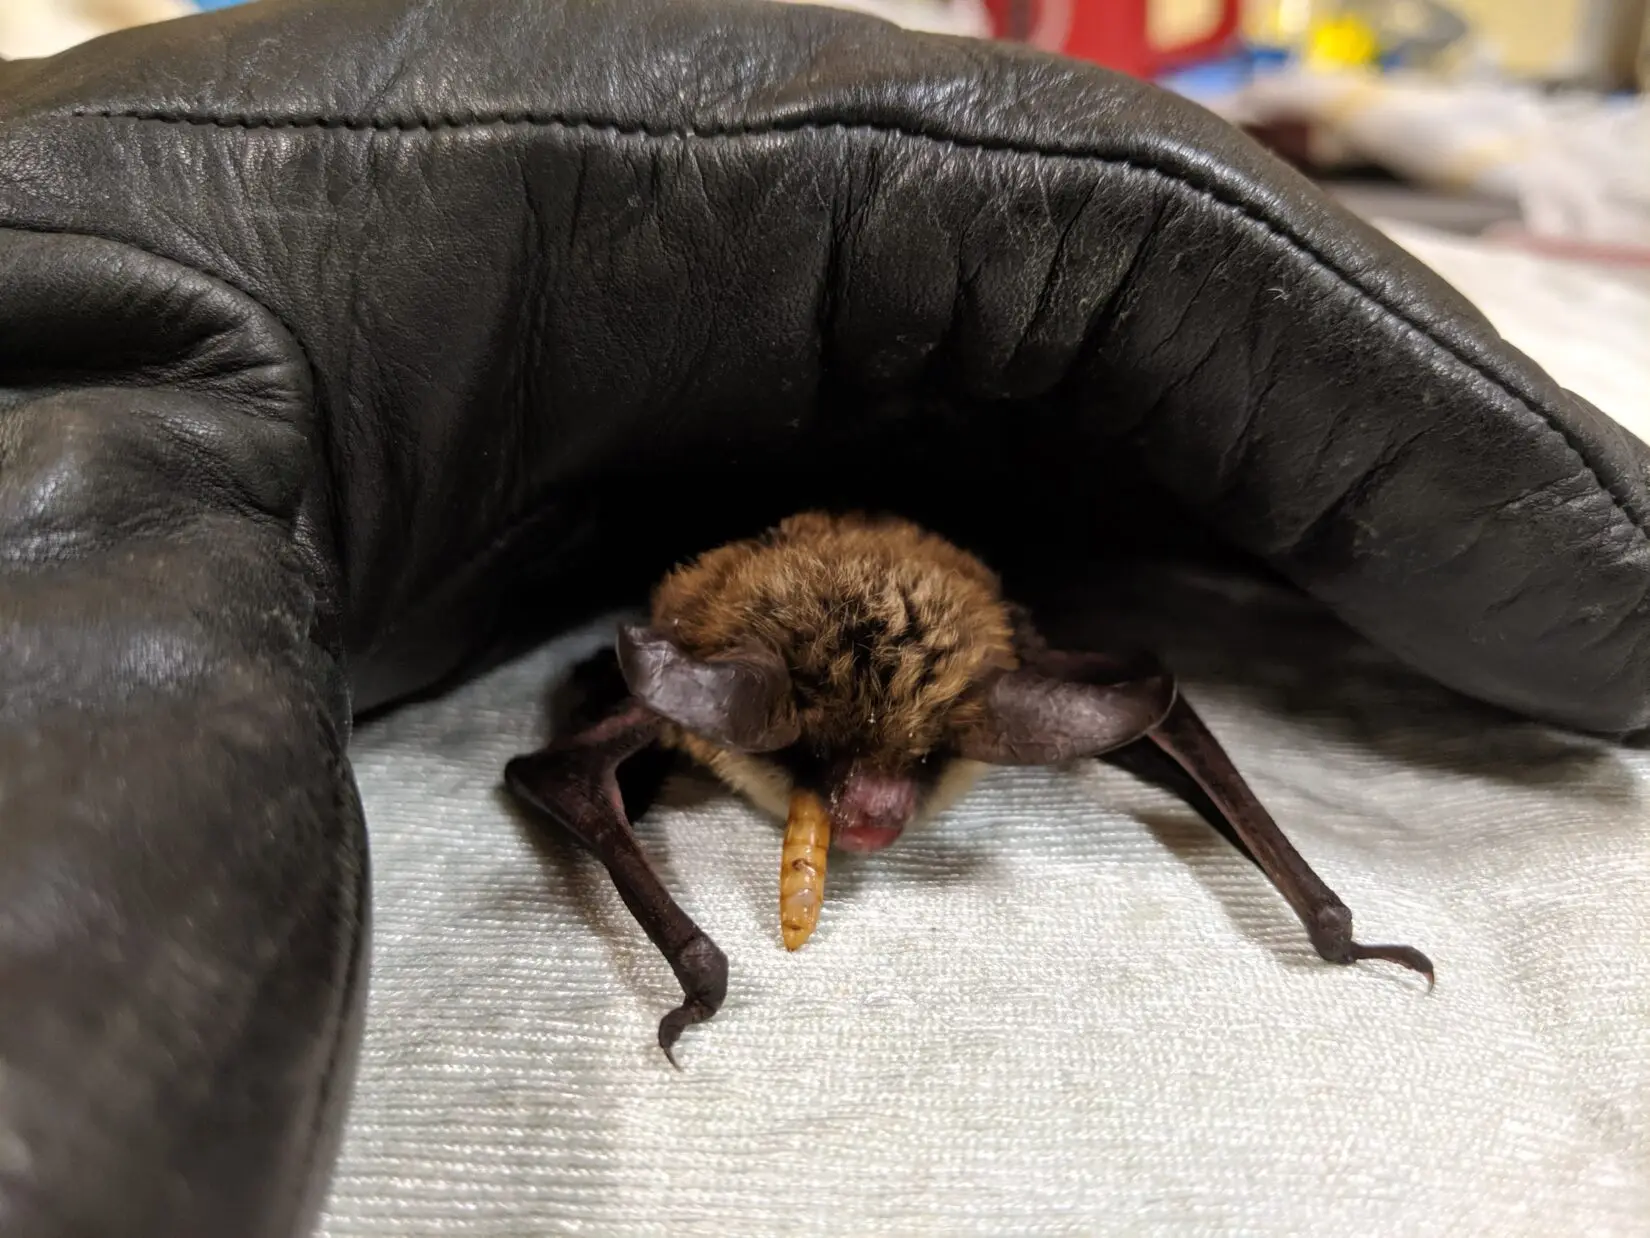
(207, 6)
(1212, 79)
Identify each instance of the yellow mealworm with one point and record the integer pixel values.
(802, 867)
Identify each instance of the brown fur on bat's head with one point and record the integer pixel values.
(876, 637)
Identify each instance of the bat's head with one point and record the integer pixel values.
(846, 656)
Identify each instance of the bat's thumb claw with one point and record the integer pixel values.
(1405, 956)
(703, 970)
(673, 1024)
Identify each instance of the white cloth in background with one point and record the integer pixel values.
(1067, 1007)
(1576, 163)
(46, 27)
(1587, 324)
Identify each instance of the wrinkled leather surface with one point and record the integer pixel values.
(332, 335)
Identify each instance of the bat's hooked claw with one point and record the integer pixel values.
(672, 1025)
(1405, 956)
(1328, 922)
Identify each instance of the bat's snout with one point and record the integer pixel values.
(870, 810)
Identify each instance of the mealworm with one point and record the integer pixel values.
(802, 867)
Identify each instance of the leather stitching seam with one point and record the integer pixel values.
(578, 124)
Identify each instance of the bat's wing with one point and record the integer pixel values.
(574, 782)
(1183, 736)
(1062, 705)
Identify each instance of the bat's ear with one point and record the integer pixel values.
(1068, 705)
(740, 701)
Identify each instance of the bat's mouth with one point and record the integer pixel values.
(870, 810)
(865, 837)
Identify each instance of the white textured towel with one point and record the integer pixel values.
(1068, 1006)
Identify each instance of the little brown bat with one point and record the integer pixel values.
(879, 668)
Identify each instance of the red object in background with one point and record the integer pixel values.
(1114, 33)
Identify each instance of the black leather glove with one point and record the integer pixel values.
(330, 336)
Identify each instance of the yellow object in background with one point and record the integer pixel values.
(1342, 43)
(1324, 34)
(1583, 42)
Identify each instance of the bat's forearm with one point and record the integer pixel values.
(574, 781)
(1328, 922)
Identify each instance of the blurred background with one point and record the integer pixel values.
(1525, 122)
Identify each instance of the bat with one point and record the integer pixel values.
(853, 675)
